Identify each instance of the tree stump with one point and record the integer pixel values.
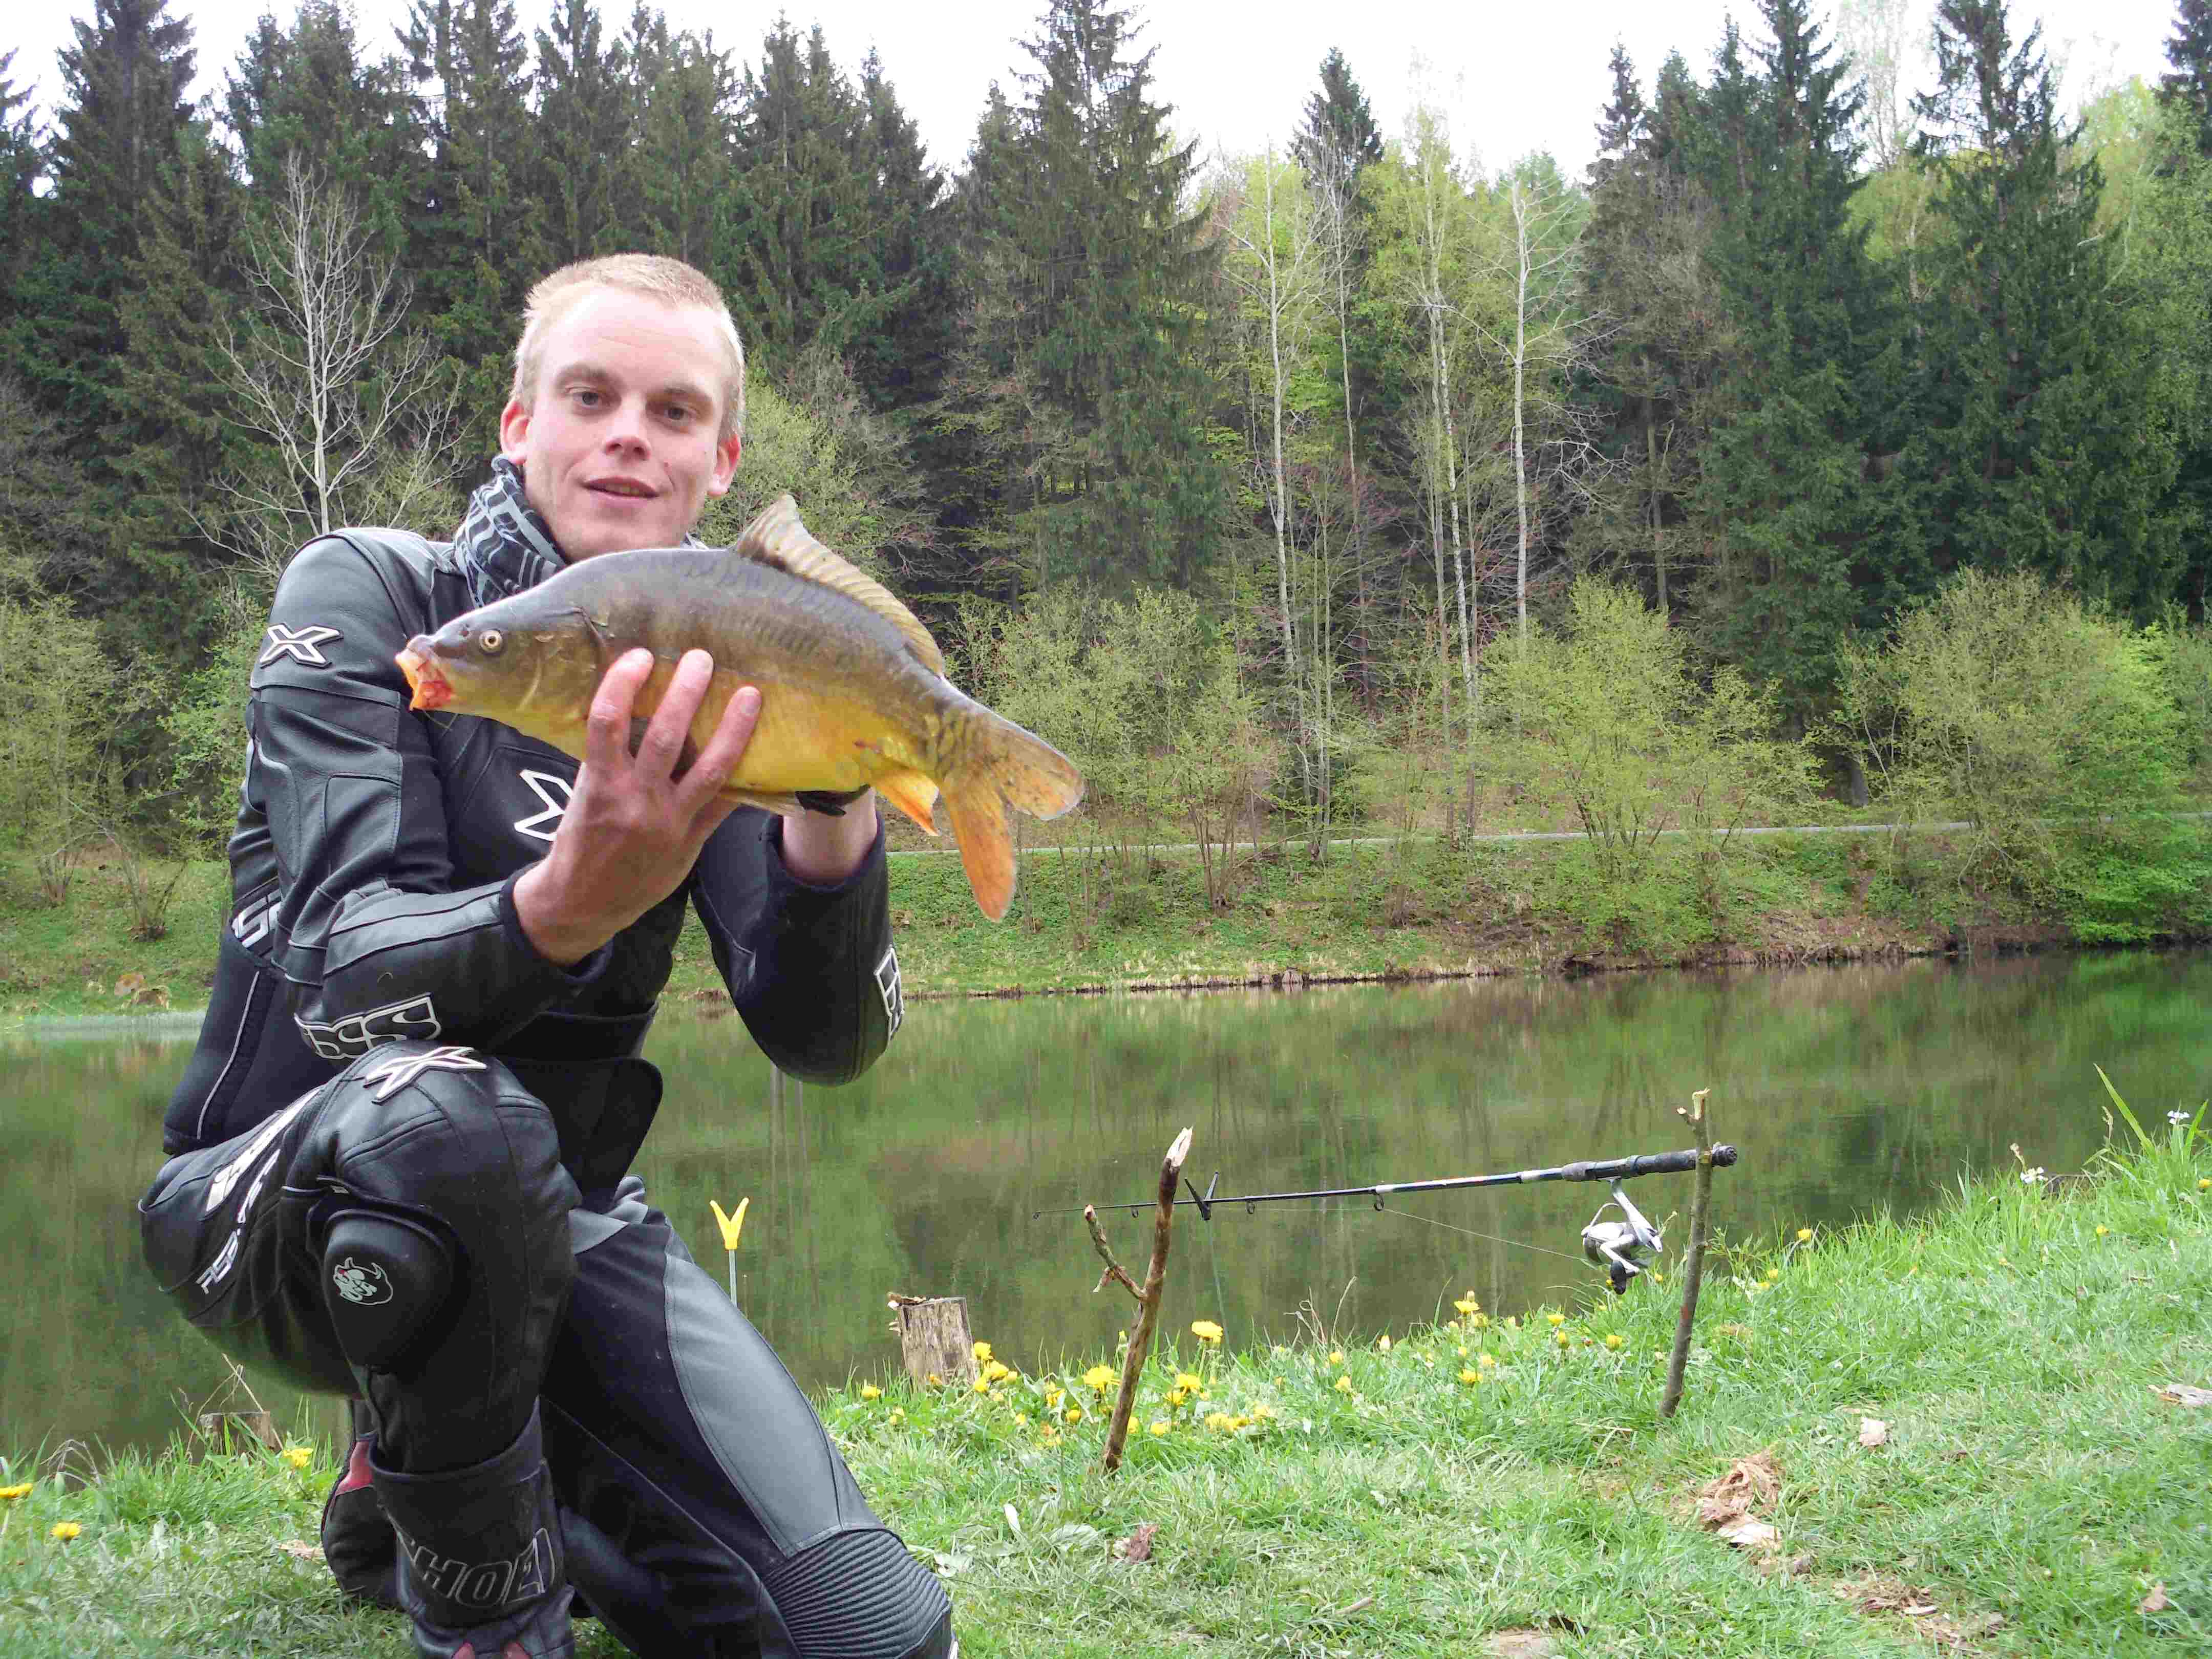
(935, 1340)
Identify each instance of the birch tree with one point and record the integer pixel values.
(327, 377)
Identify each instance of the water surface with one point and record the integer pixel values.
(1848, 1090)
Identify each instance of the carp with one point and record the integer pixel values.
(853, 688)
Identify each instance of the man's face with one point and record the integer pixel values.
(619, 449)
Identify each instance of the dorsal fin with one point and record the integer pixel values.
(777, 538)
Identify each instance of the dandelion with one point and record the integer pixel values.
(2102, 1231)
(870, 1391)
(933, 1381)
(1053, 1397)
(1278, 1351)
(983, 1385)
(999, 1370)
(1207, 1332)
(1021, 1419)
(1383, 1342)
(10, 1494)
(1615, 1341)
(1218, 1421)
(1513, 1322)
(1336, 1356)
(1468, 1374)
(1238, 1422)
(1804, 1234)
(1160, 1426)
(1101, 1377)
(298, 1456)
(1074, 1415)
(1463, 1351)
(1261, 1414)
(983, 1353)
(1486, 1358)
(1177, 1396)
(899, 1415)
(1556, 1319)
(2204, 1186)
(1476, 1322)
(1344, 1385)
(65, 1530)
(1773, 1275)
(1467, 1305)
(1188, 1382)
(1561, 1338)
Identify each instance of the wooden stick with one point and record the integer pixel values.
(1693, 1264)
(1115, 1273)
(1148, 1303)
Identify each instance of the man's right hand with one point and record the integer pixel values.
(634, 827)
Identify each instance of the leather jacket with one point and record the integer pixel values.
(374, 864)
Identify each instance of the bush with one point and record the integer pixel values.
(61, 695)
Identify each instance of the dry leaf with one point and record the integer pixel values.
(1749, 1481)
(2156, 1601)
(2181, 1393)
(1801, 1564)
(1747, 1532)
(1522, 1644)
(1873, 1432)
(305, 1552)
(1920, 1609)
(1137, 1546)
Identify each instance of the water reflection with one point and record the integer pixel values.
(1847, 1090)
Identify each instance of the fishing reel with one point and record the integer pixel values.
(1619, 1246)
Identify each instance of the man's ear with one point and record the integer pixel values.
(514, 432)
(725, 464)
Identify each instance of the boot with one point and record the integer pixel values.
(357, 1540)
(482, 1572)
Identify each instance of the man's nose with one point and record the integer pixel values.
(627, 428)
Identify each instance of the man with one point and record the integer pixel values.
(400, 1151)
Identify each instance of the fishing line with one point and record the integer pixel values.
(1494, 1238)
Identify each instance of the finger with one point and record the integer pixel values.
(606, 731)
(663, 743)
(702, 784)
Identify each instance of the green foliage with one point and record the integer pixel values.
(1607, 722)
(2050, 729)
(60, 690)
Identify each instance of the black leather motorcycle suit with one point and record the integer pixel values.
(383, 1040)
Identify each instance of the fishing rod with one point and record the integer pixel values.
(1616, 1246)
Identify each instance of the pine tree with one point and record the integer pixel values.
(584, 126)
(2033, 451)
(23, 161)
(2189, 85)
(1087, 279)
(1621, 124)
(1815, 546)
(122, 113)
(1338, 140)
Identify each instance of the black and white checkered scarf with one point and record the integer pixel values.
(504, 546)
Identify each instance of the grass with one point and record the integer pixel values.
(2034, 1495)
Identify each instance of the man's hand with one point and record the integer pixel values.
(633, 828)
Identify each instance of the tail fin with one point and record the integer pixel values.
(1004, 764)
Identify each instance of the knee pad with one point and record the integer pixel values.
(859, 1594)
(387, 1281)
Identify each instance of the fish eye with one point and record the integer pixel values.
(491, 641)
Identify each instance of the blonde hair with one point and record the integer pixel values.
(669, 281)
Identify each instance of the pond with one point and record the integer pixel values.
(1848, 1090)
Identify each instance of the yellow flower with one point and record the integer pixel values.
(1278, 1350)
(298, 1456)
(899, 1415)
(1773, 1275)
(1021, 1419)
(1478, 1320)
(1557, 1319)
(1261, 1414)
(1804, 1234)
(998, 1370)
(1468, 1374)
(2204, 1186)
(1101, 1377)
(1615, 1341)
(983, 1385)
(1075, 1414)
(1177, 1396)
(10, 1494)
(933, 1380)
(1486, 1358)
(1160, 1426)
(1205, 1331)
(1344, 1385)
(66, 1530)
(997, 1396)
(1053, 1397)
(732, 1225)
(2102, 1231)
(1189, 1381)
(982, 1352)
(1467, 1305)
(1336, 1356)
(1383, 1342)
(870, 1391)
(1463, 1351)
(1562, 1337)
(1513, 1322)
(1216, 1421)
(1239, 1422)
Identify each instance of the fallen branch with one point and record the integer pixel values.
(1115, 1273)
(1148, 1301)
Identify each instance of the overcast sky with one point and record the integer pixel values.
(1514, 77)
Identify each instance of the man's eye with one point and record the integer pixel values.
(680, 413)
(585, 397)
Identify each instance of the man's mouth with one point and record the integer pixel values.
(625, 489)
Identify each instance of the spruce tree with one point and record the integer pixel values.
(23, 161)
(2033, 451)
(1339, 139)
(2189, 85)
(583, 126)
(1087, 279)
(1815, 545)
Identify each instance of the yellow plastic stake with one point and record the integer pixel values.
(732, 1225)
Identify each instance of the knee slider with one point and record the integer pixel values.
(859, 1594)
(387, 1277)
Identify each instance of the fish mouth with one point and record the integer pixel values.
(432, 690)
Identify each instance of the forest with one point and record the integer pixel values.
(1832, 442)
